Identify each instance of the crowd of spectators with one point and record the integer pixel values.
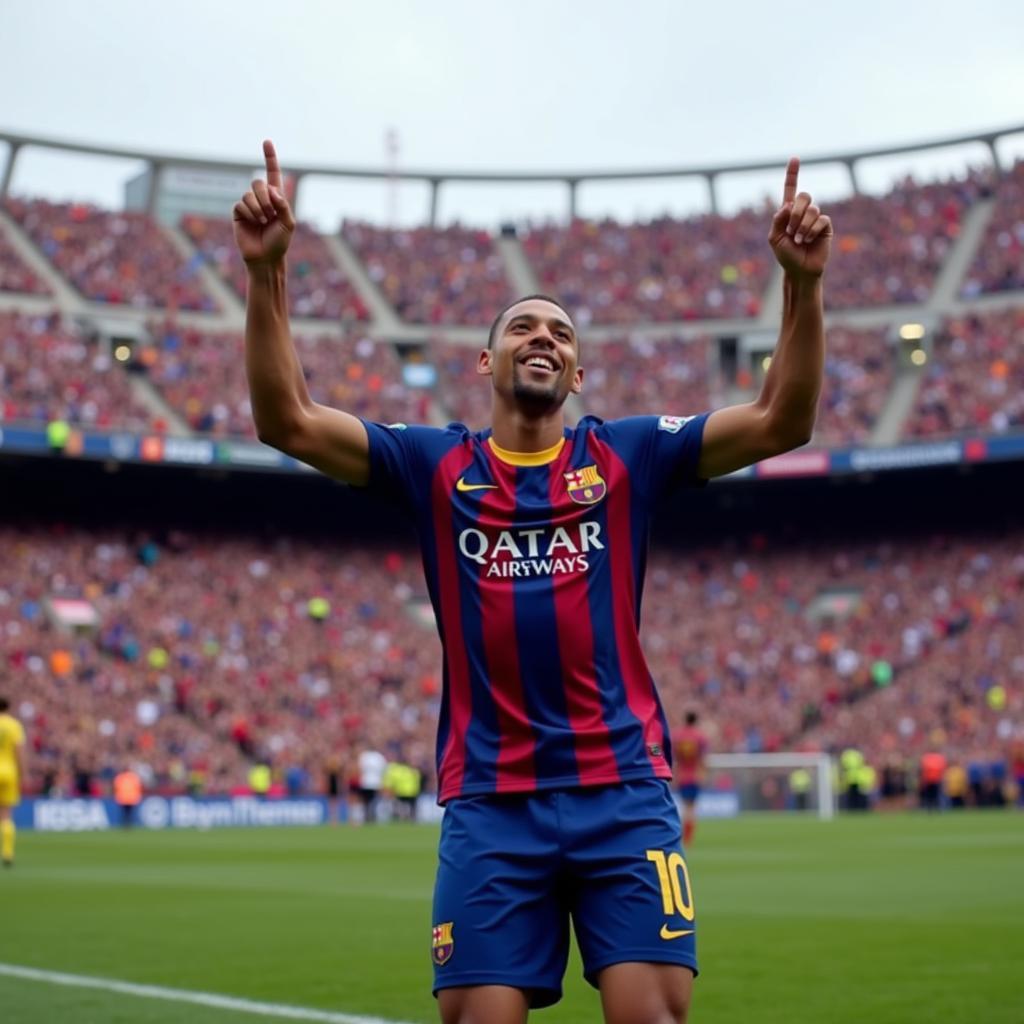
(624, 377)
(639, 375)
(664, 270)
(809, 646)
(201, 375)
(51, 371)
(889, 249)
(999, 262)
(859, 371)
(212, 651)
(317, 286)
(451, 275)
(974, 381)
(464, 395)
(120, 258)
(15, 276)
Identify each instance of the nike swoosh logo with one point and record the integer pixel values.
(668, 933)
(461, 485)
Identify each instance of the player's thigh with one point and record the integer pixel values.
(9, 795)
(500, 918)
(640, 993)
(483, 1004)
(632, 898)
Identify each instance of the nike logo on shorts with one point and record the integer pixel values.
(669, 933)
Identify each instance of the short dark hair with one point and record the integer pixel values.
(4, 704)
(691, 717)
(515, 302)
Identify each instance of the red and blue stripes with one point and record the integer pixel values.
(545, 680)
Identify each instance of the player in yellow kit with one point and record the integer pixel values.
(12, 770)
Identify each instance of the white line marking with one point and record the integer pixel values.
(180, 995)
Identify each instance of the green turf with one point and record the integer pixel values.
(881, 919)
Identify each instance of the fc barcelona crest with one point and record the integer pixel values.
(585, 486)
(443, 944)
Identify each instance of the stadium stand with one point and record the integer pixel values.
(449, 275)
(812, 645)
(50, 371)
(117, 258)
(317, 287)
(208, 653)
(622, 378)
(858, 375)
(15, 276)
(463, 393)
(638, 375)
(611, 273)
(999, 263)
(974, 383)
(202, 376)
(890, 248)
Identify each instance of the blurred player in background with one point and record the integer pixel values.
(690, 746)
(554, 757)
(12, 771)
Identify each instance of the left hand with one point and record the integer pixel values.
(801, 235)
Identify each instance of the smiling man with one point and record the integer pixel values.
(553, 749)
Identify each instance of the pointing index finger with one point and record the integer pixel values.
(789, 189)
(273, 167)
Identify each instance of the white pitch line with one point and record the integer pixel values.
(180, 995)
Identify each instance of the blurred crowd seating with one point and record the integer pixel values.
(451, 275)
(50, 371)
(317, 286)
(974, 381)
(15, 276)
(464, 394)
(206, 655)
(208, 652)
(639, 375)
(889, 249)
(120, 258)
(611, 273)
(859, 371)
(999, 262)
(202, 376)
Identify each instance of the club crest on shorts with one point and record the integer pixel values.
(443, 944)
(585, 486)
(673, 424)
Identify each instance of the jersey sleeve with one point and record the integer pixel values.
(662, 452)
(402, 458)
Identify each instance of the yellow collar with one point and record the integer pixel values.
(527, 458)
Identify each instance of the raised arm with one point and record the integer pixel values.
(782, 416)
(286, 417)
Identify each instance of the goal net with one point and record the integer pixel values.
(800, 783)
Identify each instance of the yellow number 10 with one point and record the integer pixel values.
(675, 883)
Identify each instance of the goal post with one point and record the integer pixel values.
(801, 783)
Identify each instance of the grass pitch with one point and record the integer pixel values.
(882, 919)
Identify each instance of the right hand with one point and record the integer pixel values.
(263, 220)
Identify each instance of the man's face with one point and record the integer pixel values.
(535, 356)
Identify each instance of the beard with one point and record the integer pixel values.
(536, 398)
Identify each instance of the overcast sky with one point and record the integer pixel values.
(523, 84)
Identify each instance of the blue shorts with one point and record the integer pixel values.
(514, 869)
(689, 791)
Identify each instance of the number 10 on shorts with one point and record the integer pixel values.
(674, 879)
